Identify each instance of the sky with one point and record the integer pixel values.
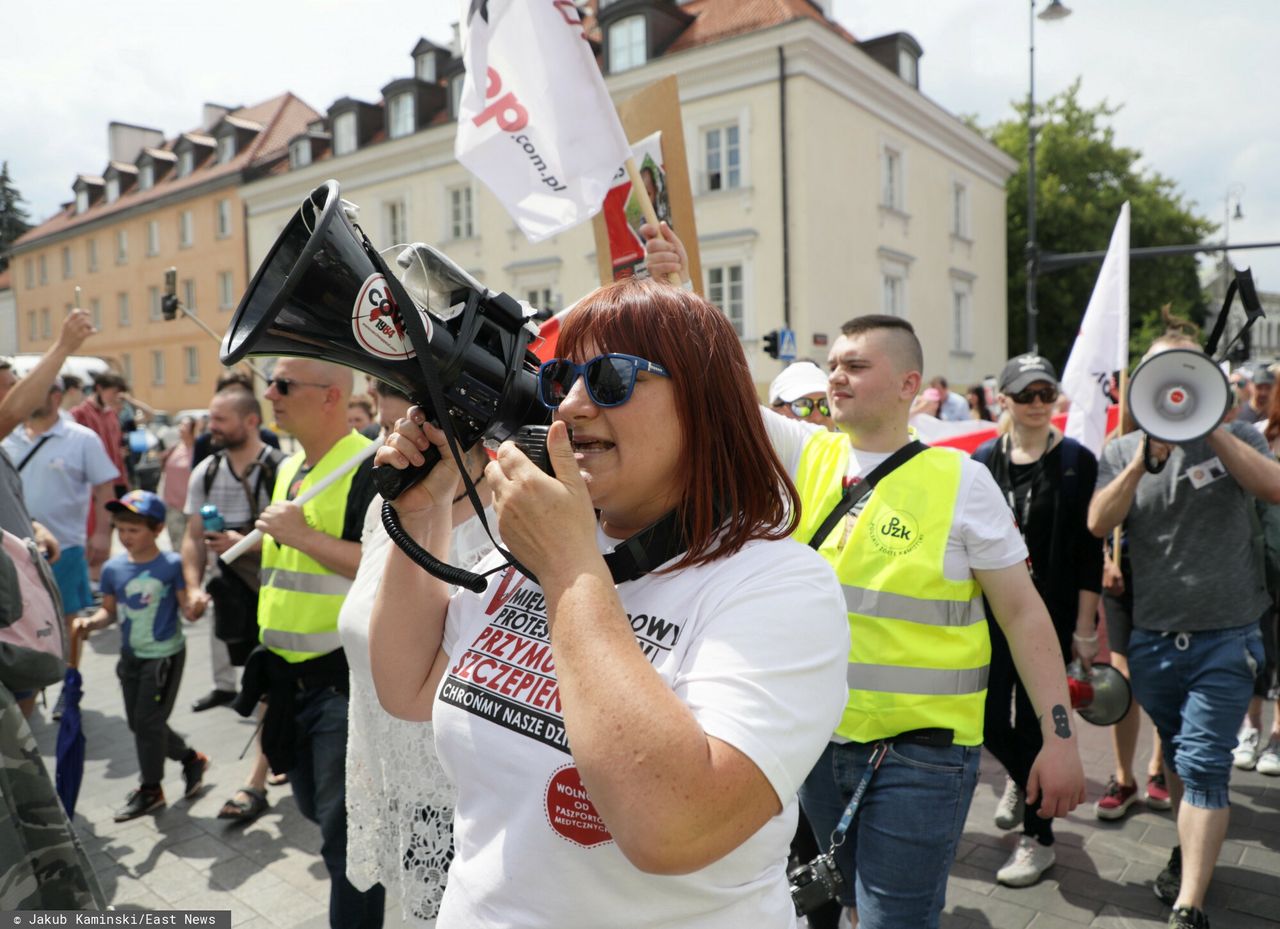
(1191, 78)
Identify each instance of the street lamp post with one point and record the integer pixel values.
(1055, 10)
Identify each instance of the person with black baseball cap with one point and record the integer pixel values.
(1047, 480)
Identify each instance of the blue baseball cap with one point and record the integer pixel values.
(141, 502)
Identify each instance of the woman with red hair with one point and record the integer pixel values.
(626, 749)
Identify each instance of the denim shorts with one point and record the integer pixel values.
(71, 571)
(898, 853)
(1196, 686)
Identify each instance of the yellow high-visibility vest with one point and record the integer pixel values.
(919, 653)
(300, 598)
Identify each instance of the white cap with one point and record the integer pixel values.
(796, 381)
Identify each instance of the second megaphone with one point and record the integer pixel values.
(1178, 395)
(1100, 695)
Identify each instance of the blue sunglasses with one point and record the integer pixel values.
(610, 378)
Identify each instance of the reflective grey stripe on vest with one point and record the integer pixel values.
(893, 679)
(885, 605)
(301, 582)
(320, 642)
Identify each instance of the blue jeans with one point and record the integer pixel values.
(1196, 686)
(899, 850)
(319, 781)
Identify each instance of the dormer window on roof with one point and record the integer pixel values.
(186, 162)
(424, 68)
(146, 176)
(627, 44)
(455, 93)
(344, 133)
(400, 115)
(113, 189)
(300, 153)
(82, 200)
(226, 147)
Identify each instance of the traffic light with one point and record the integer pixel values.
(771, 343)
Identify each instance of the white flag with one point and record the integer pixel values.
(1102, 345)
(535, 122)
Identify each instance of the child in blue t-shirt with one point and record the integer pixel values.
(144, 588)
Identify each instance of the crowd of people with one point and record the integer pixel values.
(833, 620)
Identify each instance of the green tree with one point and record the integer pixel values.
(1082, 178)
(13, 218)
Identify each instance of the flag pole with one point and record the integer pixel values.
(1124, 406)
(646, 207)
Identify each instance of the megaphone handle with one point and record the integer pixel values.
(392, 482)
(1149, 460)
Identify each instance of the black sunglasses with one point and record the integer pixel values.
(610, 378)
(1046, 395)
(284, 384)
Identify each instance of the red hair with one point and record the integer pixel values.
(735, 488)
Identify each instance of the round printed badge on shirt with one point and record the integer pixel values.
(894, 532)
(376, 322)
(571, 812)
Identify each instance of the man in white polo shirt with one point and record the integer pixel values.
(65, 470)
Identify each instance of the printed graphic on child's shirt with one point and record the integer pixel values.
(507, 674)
(139, 607)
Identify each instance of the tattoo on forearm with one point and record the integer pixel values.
(1061, 727)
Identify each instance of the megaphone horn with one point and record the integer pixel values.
(1178, 395)
(1101, 696)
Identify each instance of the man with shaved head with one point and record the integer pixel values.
(915, 556)
(309, 557)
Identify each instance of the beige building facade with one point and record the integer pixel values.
(159, 204)
(892, 204)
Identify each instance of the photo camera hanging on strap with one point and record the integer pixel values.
(457, 349)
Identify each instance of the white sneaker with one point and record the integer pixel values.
(1269, 760)
(1010, 808)
(1027, 864)
(1245, 755)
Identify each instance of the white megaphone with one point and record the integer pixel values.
(1178, 395)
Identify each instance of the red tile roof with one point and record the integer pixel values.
(283, 117)
(722, 19)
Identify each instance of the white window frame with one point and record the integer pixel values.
(113, 189)
(157, 367)
(960, 209)
(91, 247)
(46, 324)
(189, 295)
(186, 229)
(908, 67)
(894, 291)
(223, 218)
(719, 119)
(395, 221)
(720, 150)
(123, 321)
(154, 311)
(424, 68)
(146, 176)
(226, 290)
(29, 267)
(186, 161)
(628, 45)
(43, 264)
(299, 153)
(191, 364)
(153, 237)
(459, 229)
(893, 177)
(82, 200)
(961, 315)
(401, 114)
(95, 312)
(719, 277)
(66, 262)
(226, 147)
(122, 246)
(345, 133)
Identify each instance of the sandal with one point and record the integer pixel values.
(244, 810)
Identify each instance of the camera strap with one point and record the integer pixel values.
(846, 818)
(855, 492)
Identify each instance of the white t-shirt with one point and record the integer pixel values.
(755, 645)
(983, 534)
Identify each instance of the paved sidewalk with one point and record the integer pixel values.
(270, 873)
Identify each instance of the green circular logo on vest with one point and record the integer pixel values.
(894, 532)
